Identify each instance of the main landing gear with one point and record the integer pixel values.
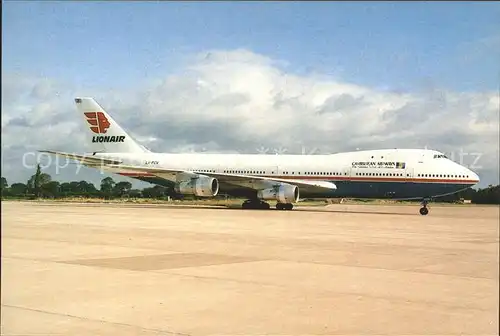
(284, 206)
(255, 204)
(258, 204)
(423, 210)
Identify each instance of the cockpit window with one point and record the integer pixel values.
(439, 156)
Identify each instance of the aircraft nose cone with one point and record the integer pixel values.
(473, 177)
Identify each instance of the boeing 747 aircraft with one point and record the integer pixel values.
(403, 174)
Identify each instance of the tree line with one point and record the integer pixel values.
(41, 185)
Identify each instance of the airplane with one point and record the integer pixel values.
(399, 174)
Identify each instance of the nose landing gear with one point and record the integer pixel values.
(423, 210)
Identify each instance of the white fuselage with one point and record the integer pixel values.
(389, 173)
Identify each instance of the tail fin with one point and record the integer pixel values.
(105, 133)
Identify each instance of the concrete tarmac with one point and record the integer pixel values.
(76, 269)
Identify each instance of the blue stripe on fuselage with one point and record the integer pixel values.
(391, 189)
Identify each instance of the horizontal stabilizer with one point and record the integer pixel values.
(88, 160)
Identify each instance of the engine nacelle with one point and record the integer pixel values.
(203, 186)
(284, 193)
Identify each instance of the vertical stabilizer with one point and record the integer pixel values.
(105, 135)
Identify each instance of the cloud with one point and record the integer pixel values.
(239, 101)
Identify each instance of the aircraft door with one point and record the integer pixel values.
(408, 173)
(276, 171)
(348, 172)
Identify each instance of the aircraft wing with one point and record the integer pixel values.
(88, 160)
(247, 181)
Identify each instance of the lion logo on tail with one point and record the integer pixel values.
(98, 122)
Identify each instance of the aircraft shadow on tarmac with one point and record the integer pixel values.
(316, 209)
(223, 207)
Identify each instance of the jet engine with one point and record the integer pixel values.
(284, 193)
(203, 186)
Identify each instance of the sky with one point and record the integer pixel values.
(254, 77)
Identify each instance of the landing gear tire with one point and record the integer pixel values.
(424, 211)
(284, 206)
(255, 204)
